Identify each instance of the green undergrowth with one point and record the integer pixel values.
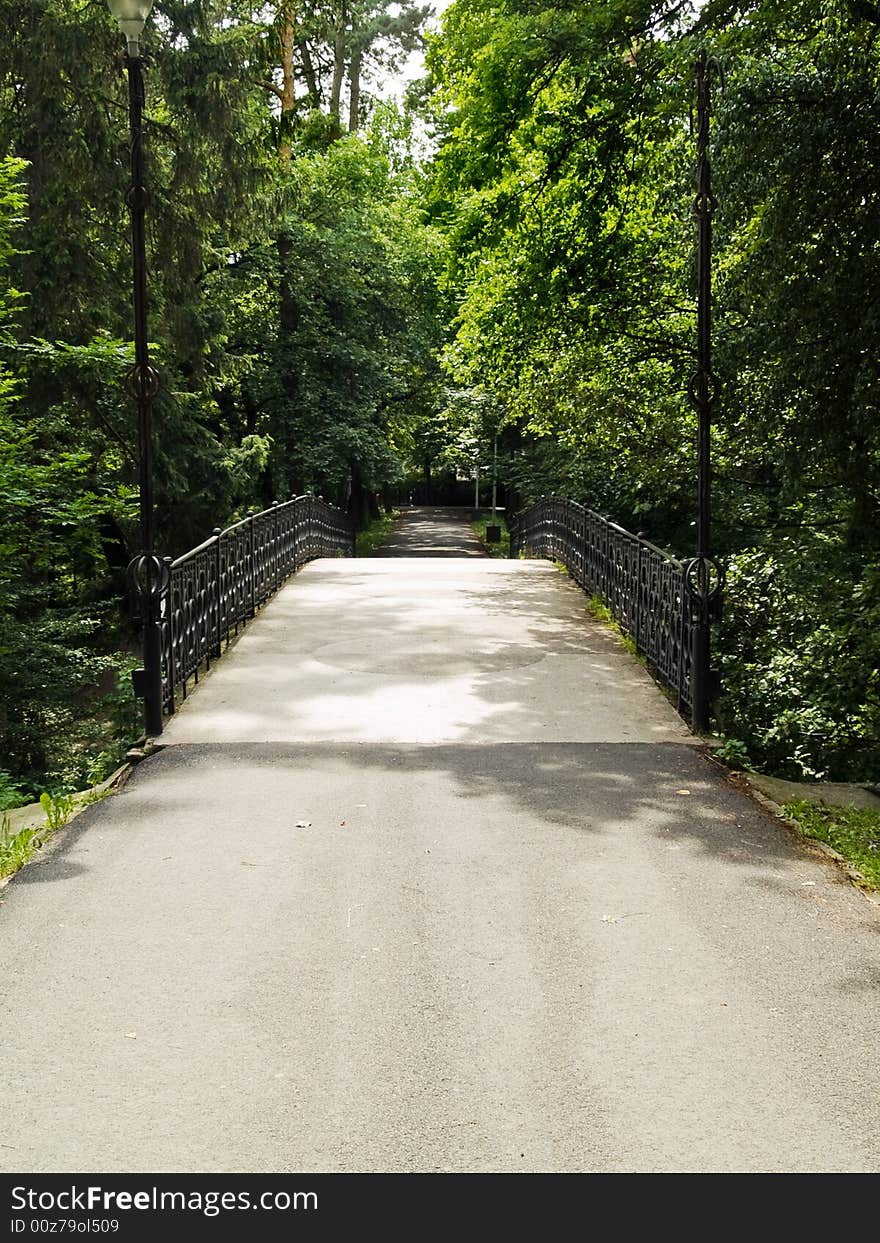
(480, 521)
(18, 846)
(76, 744)
(376, 533)
(853, 832)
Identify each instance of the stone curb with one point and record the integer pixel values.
(856, 878)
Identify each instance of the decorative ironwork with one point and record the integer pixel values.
(148, 577)
(644, 588)
(213, 590)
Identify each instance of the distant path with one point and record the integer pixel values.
(429, 875)
(432, 532)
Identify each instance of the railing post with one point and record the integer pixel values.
(683, 637)
(638, 595)
(293, 547)
(276, 577)
(606, 577)
(218, 594)
(253, 567)
(166, 634)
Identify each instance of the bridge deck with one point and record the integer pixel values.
(429, 876)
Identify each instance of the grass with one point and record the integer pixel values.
(376, 533)
(600, 612)
(853, 832)
(480, 521)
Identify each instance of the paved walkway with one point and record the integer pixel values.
(428, 532)
(429, 876)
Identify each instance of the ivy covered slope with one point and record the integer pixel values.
(564, 178)
(295, 317)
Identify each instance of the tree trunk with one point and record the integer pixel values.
(862, 529)
(354, 97)
(338, 61)
(288, 84)
(287, 311)
(359, 502)
(309, 74)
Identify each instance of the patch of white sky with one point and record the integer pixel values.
(393, 85)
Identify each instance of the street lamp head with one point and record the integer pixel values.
(132, 16)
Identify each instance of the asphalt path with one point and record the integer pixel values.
(432, 532)
(429, 876)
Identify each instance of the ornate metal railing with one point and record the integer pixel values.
(213, 590)
(648, 593)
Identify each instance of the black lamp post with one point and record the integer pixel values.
(704, 574)
(146, 571)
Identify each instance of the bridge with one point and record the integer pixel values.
(430, 874)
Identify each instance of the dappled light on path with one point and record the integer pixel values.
(420, 650)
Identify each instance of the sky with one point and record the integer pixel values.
(395, 85)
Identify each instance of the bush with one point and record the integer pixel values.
(799, 649)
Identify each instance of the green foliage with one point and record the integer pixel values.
(16, 848)
(853, 832)
(374, 535)
(62, 498)
(599, 611)
(365, 324)
(57, 809)
(800, 658)
(480, 522)
(554, 179)
(11, 794)
(735, 754)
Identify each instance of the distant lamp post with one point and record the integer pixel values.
(704, 574)
(146, 572)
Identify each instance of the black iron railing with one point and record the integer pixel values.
(648, 593)
(213, 590)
